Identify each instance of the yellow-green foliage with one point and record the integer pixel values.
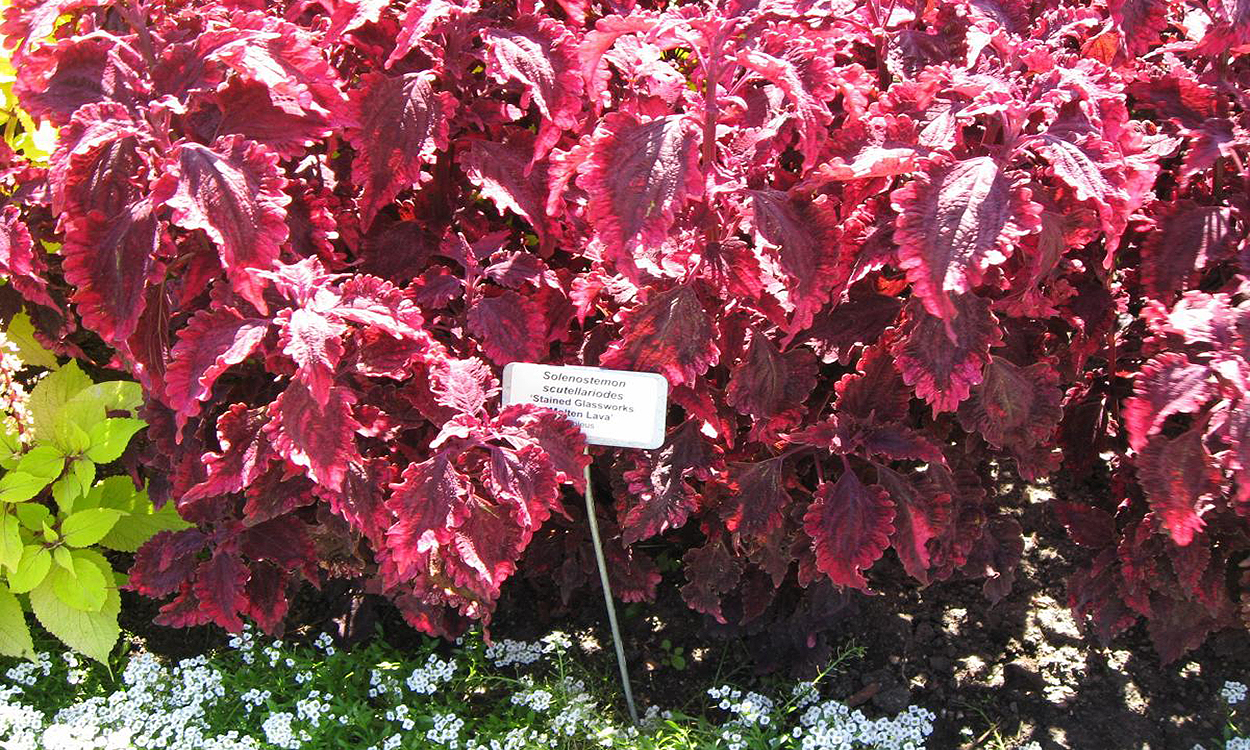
(54, 512)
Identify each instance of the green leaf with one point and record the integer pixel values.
(18, 486)
(33, 515)
(31, 569)
(86, 527)
(84, 469)
(70, 436)
(42, 461)
(62, 557)
(10, 541)
(90, 633)
(8, 441)
(133, 529)
(117, 492)
(49, 396)
(65, 491)
(85, 587)
(110, 437)
(22, 334)
(112, 395)
(14, 634)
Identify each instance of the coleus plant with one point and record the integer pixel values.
(877, 249)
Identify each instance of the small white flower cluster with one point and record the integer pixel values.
(279, 731)
(804, 694)
(24, 673)
(425, 679)
(253, 698)
(517, 738)
(557, 641)
(535, 700)
(748, 710)
(579, 714)
(21, 725)
(325, 643)
(245, 644)
(401, 715)
(446, 730)
(382, 681)
(507, 652)
(834, 726)
(1238, 743)
(312, 709)
(1233, 692)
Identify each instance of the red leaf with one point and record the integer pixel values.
(319, 439)
(18, 263)
(850, 526)
(540, 54)
(245, 454)
(111, 259)
(55, 81)
(166, 561)
(245, 108)
(767, 382)
(403, 122)
(956, 219)
(1095, 593)
(509, 328)
(526, 480)
(996, 556)
(555, 434)
(919, 518)
(1189, 237)
(1014, 407)
(942, 361)
(876, 393)
(883, 146)
(670, 334)
(638, 175)
(803, 232)
(659, 496)
(266, 600)
(430, 499)
(1141, 23)
(1168, 384)
(486, 545)
(712, 572)
(814, 117)
(1088, 526)
(213, 341)
(313, 341)
(219, 586)
(1177, 626)
(1180, 480)
(234, 192)
(757, 498)
(464, 385)
(503, 171)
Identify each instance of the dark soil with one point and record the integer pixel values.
(997, 676)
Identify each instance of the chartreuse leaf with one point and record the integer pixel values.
(10, 541)
(65, 491)
(110, 437)
(31, 569)
(33, 515)
(84, 587)
(9, 445)
(21, 333)
(86, 527)
(140, 522)
(42, 461)
(49, 395)
(18, 486)
(14, 634)
(69, 436)
(84, 469)
(89, 633)
(62, 557)
(111, 395)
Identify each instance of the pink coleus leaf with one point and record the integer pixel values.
(403, 122)
(711, 572)
(1094, 595)
(756, 498)
(1093, 168)
(766, 382)
(509, 328)
(96, 68)
(920, 517)
(996, 555)
(555, 434)
(955, 220)
(265, 597)
(110, 260)
(659, 496)
(883, 146)
(320, 439)
(943, 368)
(244, 456)
(429, 500)
(245, 108)
(541, 55)
(1141, 22)
(1166, 385)
(1014, 407)
(314, 341)
(839, 330)
(1188, 238)
(486, 546)
(503, 171)
(219, 586)
(526, 479)
(1088, 526)
(212, 342)
(1181, 481)
(802, 231)
(166, 561)
(232, 191)
(18, 263)
(850, 525)
(638, 175)
(814, 117)
(671, 334)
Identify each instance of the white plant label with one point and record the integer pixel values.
(613, 407)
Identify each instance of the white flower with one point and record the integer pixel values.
(1233, 692)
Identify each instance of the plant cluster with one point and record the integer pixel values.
(876, 249)
(264, 694)
(56, 516)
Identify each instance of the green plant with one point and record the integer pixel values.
(674, 656)
(55, 514)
